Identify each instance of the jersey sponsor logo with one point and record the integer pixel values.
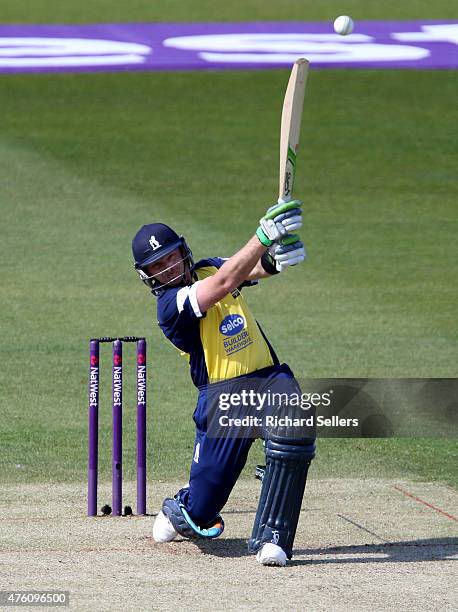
(232, 324)
(237, 343)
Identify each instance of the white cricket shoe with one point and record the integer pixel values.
(163, 530)
(271, 554)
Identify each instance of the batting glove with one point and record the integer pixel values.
(288, 251)
(279, 220)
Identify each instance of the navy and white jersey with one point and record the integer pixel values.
(220, 344)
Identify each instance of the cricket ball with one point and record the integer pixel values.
(343, 25)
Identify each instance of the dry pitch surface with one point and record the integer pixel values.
(361, 544)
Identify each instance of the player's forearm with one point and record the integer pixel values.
(278, 221)
(239, 267)
(257, 272)
(231, 274)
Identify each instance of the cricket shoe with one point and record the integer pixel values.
(271, 554)
(163, 530)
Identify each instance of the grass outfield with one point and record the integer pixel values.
(86, 159)
(54, 11)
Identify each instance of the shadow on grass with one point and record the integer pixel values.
(414, 551)
(230, 547)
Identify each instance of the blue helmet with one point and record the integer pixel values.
(151, 243)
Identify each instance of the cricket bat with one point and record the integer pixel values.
(291, 128)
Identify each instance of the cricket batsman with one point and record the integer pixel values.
(201, 310)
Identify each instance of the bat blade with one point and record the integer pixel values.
(291, 127)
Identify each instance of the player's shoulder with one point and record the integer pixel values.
(178, 305)
(207, 267)
(210, 262)
(166, 302)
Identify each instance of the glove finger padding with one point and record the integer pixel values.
(278, 209)
(291, 224)
(292, 262)
(282, 253)
(294, 212)
(289, 254)
(279, 220)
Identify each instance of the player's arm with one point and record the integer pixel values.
(231, 274)
(258, 272)
(288, 251)
(277, 222)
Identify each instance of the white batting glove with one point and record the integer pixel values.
(279, 220)
(287, 252)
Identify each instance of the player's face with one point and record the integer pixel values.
(169, 269)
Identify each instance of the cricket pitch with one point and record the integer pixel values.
(361, 544)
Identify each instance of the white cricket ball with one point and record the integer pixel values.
(343, 25)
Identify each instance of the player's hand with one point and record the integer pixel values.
(279, 220)
(288, 251)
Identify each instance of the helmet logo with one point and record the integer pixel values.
(154, 243)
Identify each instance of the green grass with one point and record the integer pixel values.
(52, 11)
(86, 159)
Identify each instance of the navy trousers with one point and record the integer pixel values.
(218, 461)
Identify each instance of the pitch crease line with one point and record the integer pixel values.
(372, 533)
(425, 503)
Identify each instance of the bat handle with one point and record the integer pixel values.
(284, 200)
